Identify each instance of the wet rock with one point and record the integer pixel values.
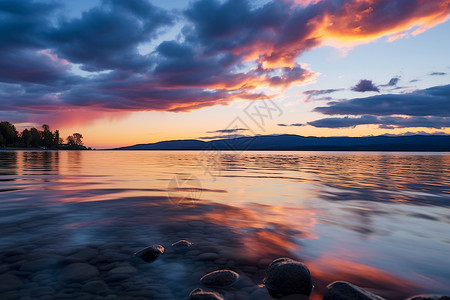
(113, 278)
(79, 272)
(286, 276)
(199, 294)
(150, 253)
(43, 291)
(182, 245)
(14, 252)
(9, 282)
(123, 269)
(81, 256)
(208, 256)
(96, 286)
(220, 278)
(37, 265)
(342, 290)
(4, 268)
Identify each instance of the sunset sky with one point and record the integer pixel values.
(123, 72)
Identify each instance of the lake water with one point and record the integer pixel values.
(378, 220)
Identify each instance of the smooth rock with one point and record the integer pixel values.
(37, 265)
(14, 252)
(81, 256)
(9, 282)
(123, 269)
(286, 276)
(208, 256)
(150, 253)
(220, 278)
(199, 294)
(95, 286)
(182, 244)
(79, 272)
(342, 290)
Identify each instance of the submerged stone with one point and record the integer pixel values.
(199, 294)
(182, 244)
(342, 290)
(286, 276)
(151, 253)
(9, 282)
(78, 272)
(220, 278)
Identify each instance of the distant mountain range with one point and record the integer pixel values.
(286, 142)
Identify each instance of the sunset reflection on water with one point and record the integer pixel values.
(379, 220)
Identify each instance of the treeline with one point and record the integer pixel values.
(35, 138)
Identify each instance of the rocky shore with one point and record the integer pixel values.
(119, 271)
(134, 248)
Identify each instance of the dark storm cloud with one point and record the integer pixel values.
(434, 101)
(365, 85)
(40, 67)
(383, 122)
(225, 51)
(107, 37)
(24, 24)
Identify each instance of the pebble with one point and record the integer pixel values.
(151, 253)
(38, 264)
(342, 290)
(182, 244)
(83, 255)
(286, 277)
(208, 256)
(95, 286)
(79, 272)
(123, 269)
(14, 252)
(9, 282)
(199, 294)
(220, 278)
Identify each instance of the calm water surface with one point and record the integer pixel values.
(379, 220)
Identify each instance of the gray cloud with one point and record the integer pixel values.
(294, 125)
(231, 130)
(434, 101)
(392, 82)
(365, 85)
(383, 122)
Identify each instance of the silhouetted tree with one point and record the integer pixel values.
(75, 140)
(9, 137)
(36, 140)
(9, 133)
(26, 138)
(55, 140)
(47, 136)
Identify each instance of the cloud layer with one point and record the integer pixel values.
(225, 50)
(428, 108)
